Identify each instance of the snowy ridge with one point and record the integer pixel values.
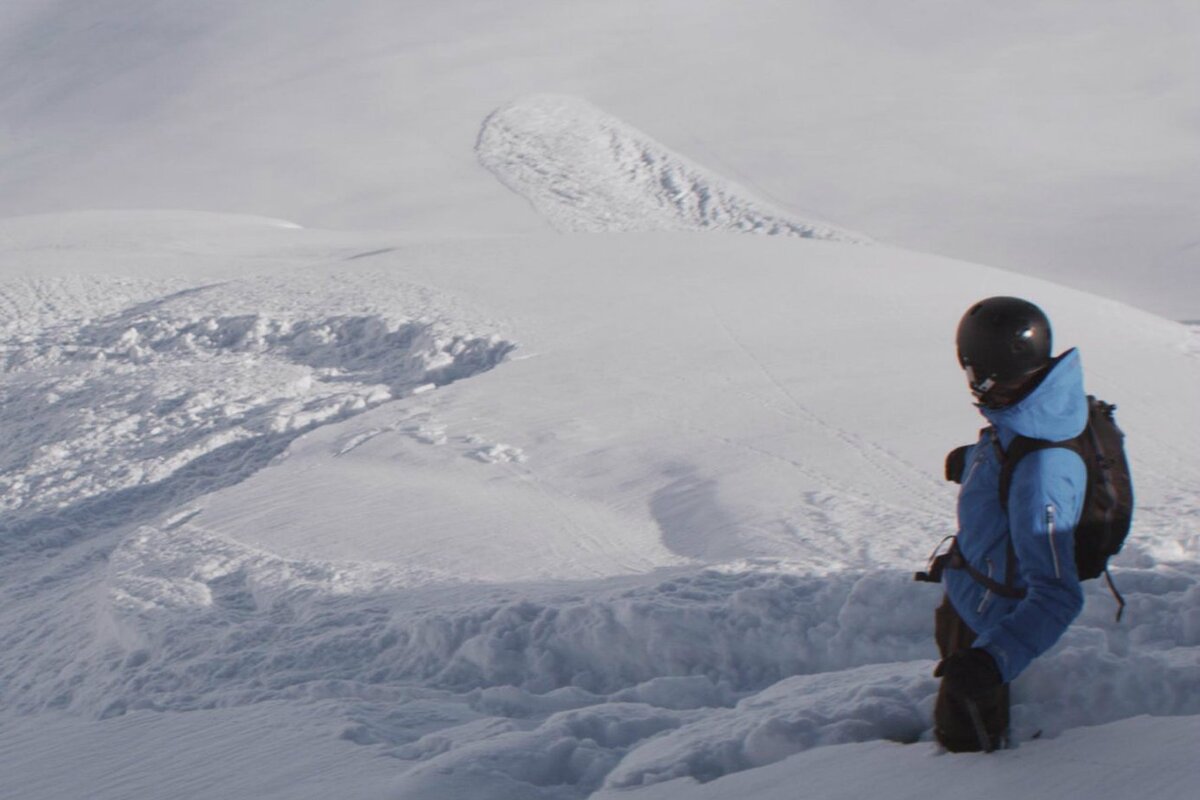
(584, 170)
(1089, 679)
(737, 631)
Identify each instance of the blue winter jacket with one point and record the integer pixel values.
(1044, 504)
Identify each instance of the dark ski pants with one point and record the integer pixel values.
(952, 723)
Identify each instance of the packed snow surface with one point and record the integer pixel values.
(625, 515)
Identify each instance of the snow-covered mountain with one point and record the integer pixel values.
(1057, 139)
(557, 484)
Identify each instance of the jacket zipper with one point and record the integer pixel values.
(1053, 549)
(974, 466)
(987, 595)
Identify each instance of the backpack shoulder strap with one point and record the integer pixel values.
(1021, 447)
(1018, 448)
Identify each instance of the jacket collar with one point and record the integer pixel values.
(1055, 410)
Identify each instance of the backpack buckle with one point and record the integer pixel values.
(938, 564)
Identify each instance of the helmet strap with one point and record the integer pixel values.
(979, 388)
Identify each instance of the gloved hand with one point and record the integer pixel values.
(969, 673)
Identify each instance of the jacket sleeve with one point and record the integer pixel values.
(1044, 506)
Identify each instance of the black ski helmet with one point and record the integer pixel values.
(1001, 340)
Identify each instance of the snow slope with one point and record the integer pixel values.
(1092, 763)
(1054, 138)
(529, 517)
(463, 507)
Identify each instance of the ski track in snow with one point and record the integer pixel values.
(584, 170)
(922, 489)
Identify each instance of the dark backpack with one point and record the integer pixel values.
(1104, 519)
(1107, 511)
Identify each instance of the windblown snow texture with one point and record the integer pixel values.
(683, 613)
(587, 171)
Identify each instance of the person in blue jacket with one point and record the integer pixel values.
(1011, 584)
